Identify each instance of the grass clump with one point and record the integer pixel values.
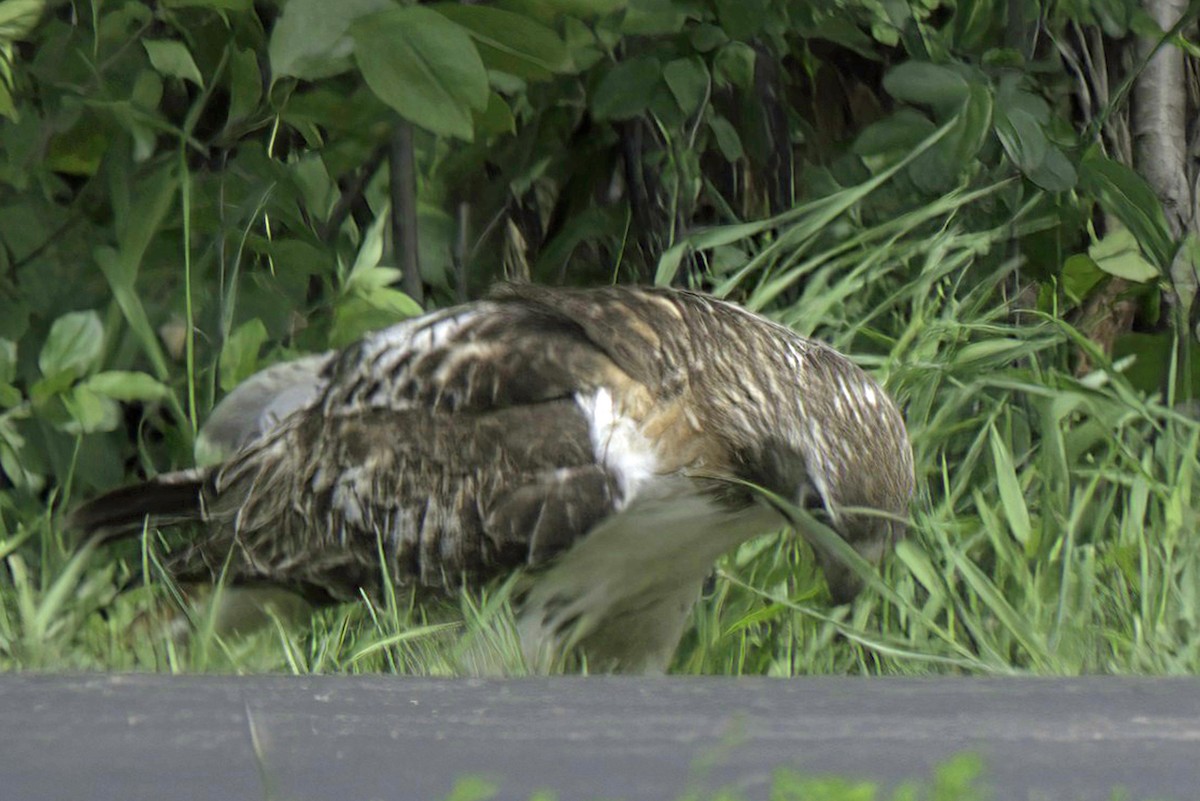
(1051, 533)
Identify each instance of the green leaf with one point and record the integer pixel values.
(1118, 254)
(925, 83)
(10, 396)
(727, 138)
(903, 130)
(127, 385)
(509, 42)
(90, 412)
(136, 226)
(74, 345)
(223, 5)
(496, 119)
(1056, 173)
(707, 37)
(121, 281)
(742, 19)
(549, 10)
(424, 66)
(239, 354)
(627, 89)
(7, 107)
(311, 39)
(245, 84)
(734, 65)
(355, 315)
(172, 58)
(688, 80)
(1079, 276)
(1012, 499)
(653, 18)
(370, 251)
(1022, 138)
(18, 18)
(8, 360)
(974, 123)
(1126, 195)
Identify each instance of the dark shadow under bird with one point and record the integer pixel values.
(603, 439)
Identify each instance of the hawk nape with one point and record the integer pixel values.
(581, 434)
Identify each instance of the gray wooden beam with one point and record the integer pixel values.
(381, 737)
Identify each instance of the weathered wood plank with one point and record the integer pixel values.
(214, 737)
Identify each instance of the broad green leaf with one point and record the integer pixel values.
(653, 18)
(925, 83)
(127, 385)
(8, 360)
(79, 149)
(370, 251)
(172, 58)
(496, 119)
(74, 345)
(10, 396)
(90, 411)
(627, 89)
(1126, 195)
(509, 42)
(550, 10)
(1056, 173)
(902, 131)
(18, 18)
(147, 89)
(1022, 138)
(223, 5)
(355, 315)
(688, 80)
(424, 66)
(51, 386)
(1079, 276)
(707, 37)
(239, 354)
(7, 108)
(742, 19)
(974, 124)
(245, 83)
(727, 138)
(1118, 254)
(734, 65)
(311, 39)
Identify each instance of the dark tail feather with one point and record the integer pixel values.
(170, 498)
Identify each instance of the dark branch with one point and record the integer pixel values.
(404, 210)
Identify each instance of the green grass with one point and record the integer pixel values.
(959, 778)
(1051, 534)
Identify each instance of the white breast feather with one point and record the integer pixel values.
(619, 445)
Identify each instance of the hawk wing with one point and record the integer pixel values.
(456, 446)
(579, 429)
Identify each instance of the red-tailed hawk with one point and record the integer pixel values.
(582, 434)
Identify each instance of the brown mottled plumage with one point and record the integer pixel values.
(579, 431)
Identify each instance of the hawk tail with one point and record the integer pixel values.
(170, 498)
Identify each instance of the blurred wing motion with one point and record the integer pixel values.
(581, 432)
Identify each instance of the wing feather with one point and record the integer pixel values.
(456, 443)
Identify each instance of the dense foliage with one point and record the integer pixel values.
(193, 189)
